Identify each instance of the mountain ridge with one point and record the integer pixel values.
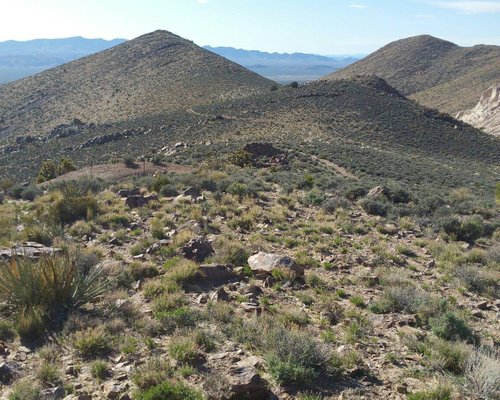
(432, 71)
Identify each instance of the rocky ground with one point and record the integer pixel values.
(236, 295)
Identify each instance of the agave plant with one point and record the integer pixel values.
(49, 283)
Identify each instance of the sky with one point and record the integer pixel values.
(310, 26)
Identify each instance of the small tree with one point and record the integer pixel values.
(48, 171)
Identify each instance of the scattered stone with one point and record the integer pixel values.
(266, 263)
(477, 314)
(483, 305)
(197, 250)
(56, 393)
(202, 298)
(219, 295)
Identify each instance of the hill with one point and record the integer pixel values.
(436, 73)
(363, 126)
(284, 67)
(154, 73)
(19, 59)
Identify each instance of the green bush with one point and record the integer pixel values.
(92, 343)
(152, 373)
(293, 357)
(69, 209)
(467, 229)
(26, 390)
(374, 207)
(170, 391)
(450, 327)
(439, 393)
(7, 331)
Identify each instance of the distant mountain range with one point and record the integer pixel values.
(284, 67)
(19, 59)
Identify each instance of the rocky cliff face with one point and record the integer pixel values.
(486, 114)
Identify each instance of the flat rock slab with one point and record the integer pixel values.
(30, 250)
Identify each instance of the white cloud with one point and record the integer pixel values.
(470, 7)
(358, 6)
(202, 1)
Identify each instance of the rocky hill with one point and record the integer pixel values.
(154, 73)
(363, 126)
(486, 114)
(437, 73)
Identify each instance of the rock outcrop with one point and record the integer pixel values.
(486, 114)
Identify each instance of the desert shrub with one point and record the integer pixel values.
(183, 349)
(40, 233)
(353, 191)
(397, 194)
(293, 357)
(140, 271)
(439, 393)
(48, 374)
(99, 369)
(171, 391)
(177, 318)
(129, 162)
(241, 158)
(50, 283)
(476, 279)
(26, 390)
(69, 209)
(182, 272)
(153, 372)
(169, 191)
(230, 252)
(7, 331)
(481, 378)
(331, 205)
(374, 207)
(447, 356)
(450, 327)
(48, 171)
(92, 343)
(467, 229)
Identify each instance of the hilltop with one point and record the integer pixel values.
(436, 73)
(154, 73)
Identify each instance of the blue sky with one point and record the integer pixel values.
(313, 26)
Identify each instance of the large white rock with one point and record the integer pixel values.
(267, 262)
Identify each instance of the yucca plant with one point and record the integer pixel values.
(48, 285)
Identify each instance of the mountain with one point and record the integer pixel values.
(486, 114)
(360, 127)
(19, 59)
(154, 73)
(284, 67)
(436, 73)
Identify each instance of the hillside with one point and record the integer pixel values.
(362, 125)
(19, 59)
(436, 73)
(154, 73)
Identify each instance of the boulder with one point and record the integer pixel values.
(9, 371)
(194, 194)
(376, 192)
(216, 272)
(197, 250)
(139, 200)
(266, 263)
(246, 382)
